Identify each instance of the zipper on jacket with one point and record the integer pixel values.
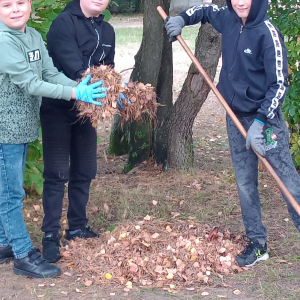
(98, 40)
(242, 27)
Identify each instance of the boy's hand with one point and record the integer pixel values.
(119, 101)
(174, 26)
(255, 138)
(88, 92)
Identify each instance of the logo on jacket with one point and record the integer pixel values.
(248, 51)
(34, 55)
(271, 138)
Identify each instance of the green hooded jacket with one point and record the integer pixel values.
(26, 74)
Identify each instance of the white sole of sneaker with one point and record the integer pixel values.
(264, 257)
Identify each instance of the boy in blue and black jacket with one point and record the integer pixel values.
(253, 81)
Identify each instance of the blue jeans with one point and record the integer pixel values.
(12, 226)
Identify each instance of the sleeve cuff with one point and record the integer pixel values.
(185, 17)
(261, 118)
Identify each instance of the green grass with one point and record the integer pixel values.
(129, 35)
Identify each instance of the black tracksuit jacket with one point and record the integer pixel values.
(254, 72)
(76, 43)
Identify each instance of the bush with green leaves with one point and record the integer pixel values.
(43, 13)
(285, 14)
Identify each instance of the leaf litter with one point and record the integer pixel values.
(154, 253)
(141, 96)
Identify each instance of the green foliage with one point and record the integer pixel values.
(285, 14)
(34, 167)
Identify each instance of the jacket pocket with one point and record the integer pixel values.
(245, 99)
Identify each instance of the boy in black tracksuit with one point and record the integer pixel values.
(253, 81)
(78, 39)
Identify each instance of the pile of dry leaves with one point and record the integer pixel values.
(154, 253)
(142, 98)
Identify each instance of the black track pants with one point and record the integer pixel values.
(245, 164)
(69, 156)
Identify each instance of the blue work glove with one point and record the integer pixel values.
(255, 138)
(88, 92)
(174, 26)
(120, 102)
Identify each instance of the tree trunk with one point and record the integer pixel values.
(193, 94)
(153, 64)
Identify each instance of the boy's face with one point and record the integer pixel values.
(92, 8)
(242, 8)
(15, 13)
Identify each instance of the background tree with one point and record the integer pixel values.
(286, 16)
(172, 141)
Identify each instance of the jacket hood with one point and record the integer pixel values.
(5, 28)
(257, 13)
(74, 8)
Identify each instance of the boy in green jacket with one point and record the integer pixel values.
(26, 74)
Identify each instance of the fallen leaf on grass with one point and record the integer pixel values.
(78, 291)
(35, 219)
(64, 293)
(154, 202)
(204, 294)
(41, 296)
(67, 274)
(128, 285)
(148, 218)
(237, 292)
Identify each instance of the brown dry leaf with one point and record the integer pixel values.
(154, 202)
(133, 268)
(95, 209)
(148, 218)
(36, 207)
(128, 285)
(237, 292)
(106, 208)
(155, 235)
(158, 269)
(88, 283)
(168, 228)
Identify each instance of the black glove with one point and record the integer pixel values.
(174, 26)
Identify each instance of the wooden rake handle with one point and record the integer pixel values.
(231, 114)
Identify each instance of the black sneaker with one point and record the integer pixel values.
(51, 244)
(35, 266)
(253, 253)
(83, 233)
(6, 255)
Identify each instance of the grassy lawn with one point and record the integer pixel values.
(128, 35)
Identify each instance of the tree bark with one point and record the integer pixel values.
(193, 94)
(153, 64)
